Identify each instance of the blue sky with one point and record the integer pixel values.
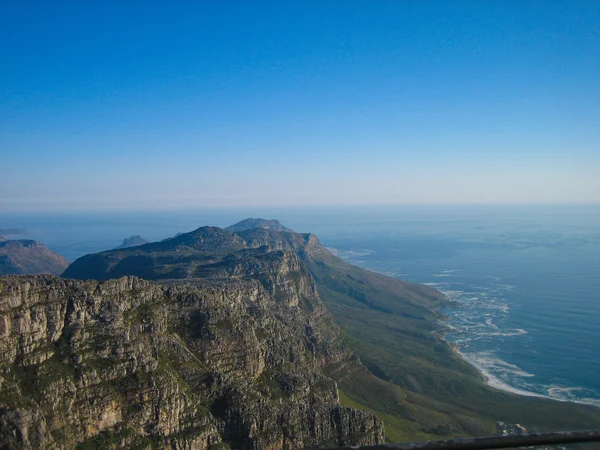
(206, 104)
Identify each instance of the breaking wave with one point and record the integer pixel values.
(477, 329)
(475, 323)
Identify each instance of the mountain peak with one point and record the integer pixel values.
(250, 224)
(26, 256)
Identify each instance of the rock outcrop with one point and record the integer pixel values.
(229, 361)
(30, 257)
(133, 241)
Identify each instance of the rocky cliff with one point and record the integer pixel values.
(25, 256)
(229, 361)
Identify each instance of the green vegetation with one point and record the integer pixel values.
(396, 429)
(118, 439)
(422, 389)
(269, 386)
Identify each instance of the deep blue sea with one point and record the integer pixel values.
(526, 278)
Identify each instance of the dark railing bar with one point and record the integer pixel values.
(528, 440)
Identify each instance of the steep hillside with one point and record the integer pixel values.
(129, 364)
(402, 344)
(29, 257)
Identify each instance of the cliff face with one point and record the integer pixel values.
(29, 257)
(125, 363)
(281, 240)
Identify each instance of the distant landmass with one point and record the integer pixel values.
(133, 241)
(30, 257)
(249, 224)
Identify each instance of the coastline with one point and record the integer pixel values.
(495, 382)
(489, 378)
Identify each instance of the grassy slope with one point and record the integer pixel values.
(423, 390)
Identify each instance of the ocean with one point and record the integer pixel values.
(525, 279)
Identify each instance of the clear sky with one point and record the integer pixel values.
(202, 104)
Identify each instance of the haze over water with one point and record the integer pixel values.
(525, 278)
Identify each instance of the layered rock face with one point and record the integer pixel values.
(227, 361)
(25, 256)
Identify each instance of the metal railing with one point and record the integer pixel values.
(528, 440)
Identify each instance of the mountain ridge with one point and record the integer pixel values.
(410, 376)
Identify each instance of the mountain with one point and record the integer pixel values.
(405, 372)
(133, 241)
(125, 363)
(184, 255)
(29, 257)
(249, 224)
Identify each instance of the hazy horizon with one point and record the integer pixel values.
(126, 106)
(279, 212)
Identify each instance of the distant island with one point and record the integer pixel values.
(133, 241)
